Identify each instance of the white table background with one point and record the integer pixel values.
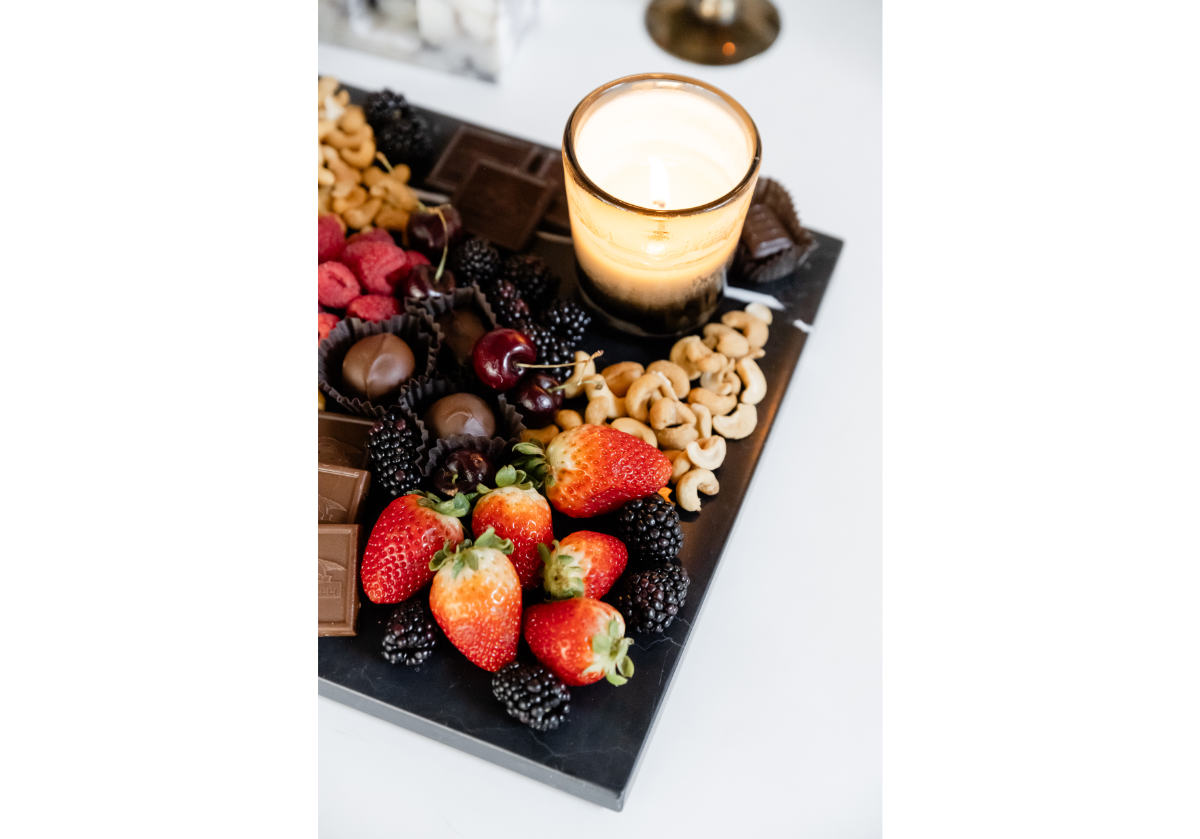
(772, 725)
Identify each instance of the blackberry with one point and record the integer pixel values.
(393, 450)
(400, 132)
(532, 694)
(550, 349)
(566, 320)
(476, 261)
(532, 277)
(410, 634)
(650, 600)
(507, 303)
(649, 527)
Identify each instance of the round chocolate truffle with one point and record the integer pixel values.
(463, 328)
(461, 413)
(378, 364)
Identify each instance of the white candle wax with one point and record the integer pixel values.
(667, 148)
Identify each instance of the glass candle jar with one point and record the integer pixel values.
(659, 173)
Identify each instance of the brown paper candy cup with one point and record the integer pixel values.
(421, 397)
(779, 265)
(435, 308)
(493, 448)
(414, 330)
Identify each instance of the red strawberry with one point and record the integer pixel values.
(518, 512)
(409, 532)
(476, 599)
(585, 564)
(580, 640)
(594, 469)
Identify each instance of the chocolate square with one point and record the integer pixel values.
(342, 439)
(337, 578)
(501, 203)
(551, 171)
(340, 491)
(470, 144)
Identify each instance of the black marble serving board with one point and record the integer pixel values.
(594, 754)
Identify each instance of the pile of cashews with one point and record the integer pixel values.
(349, 185)
(659, 403)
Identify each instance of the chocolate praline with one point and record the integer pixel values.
(461, 413)
(378, 364)
(462, 328)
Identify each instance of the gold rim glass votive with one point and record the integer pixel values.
(659, 173)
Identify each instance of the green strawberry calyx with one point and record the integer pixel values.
(508, 476)
(611, 654)
(456, 505)
(533, 462)
(562, 574)
(467, 553)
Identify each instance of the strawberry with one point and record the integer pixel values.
(408, 533)
(518, 512)
(585, 564)
(476, 599)
(594, 469)
(580, 640)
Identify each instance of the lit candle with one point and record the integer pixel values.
(659, 174)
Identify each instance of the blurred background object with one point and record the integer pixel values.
(472, 37)
(713, 31)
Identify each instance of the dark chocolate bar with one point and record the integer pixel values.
(471, 144)
(763, 233)
(501, 203)
(342, 439)
(340, 491)
(337, 578)
(551, 171)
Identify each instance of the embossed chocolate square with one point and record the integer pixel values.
(342, 439)
(340, 492)
(337, 578)
(501, 203)
(470, 144)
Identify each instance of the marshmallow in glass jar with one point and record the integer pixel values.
(659, 173)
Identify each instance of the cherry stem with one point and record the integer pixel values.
(591, 357)
(445, 247)
(384, 161)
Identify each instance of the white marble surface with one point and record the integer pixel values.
(772, 726)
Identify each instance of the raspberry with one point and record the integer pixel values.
(373, 307)
(330, 238)
(326, 321)
(378, 265)
(375, 234)
(336, 285)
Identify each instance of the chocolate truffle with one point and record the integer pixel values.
(378, 364)
(463, 328)
(461, 413)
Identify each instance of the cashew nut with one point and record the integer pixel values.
(621, 375)
(722, 383)
(726, 340)
(355, 197)
(703, 419)
(702, 355)
(362, 215)
(675, 375)
(717, 405)
(760, 311)
(602, 405)
(637, 398)
(362, 154)
(754, 380)
(392, 217)
(541, 435)
(665, 413)
(342, 172)
(353, 120)
(679, 355)
(568, 419)
(707, 452)
(737, 425)
(677, 437)
(692, 484)
(585, 367)
(680, 465)
(638, 429)
(754, 329)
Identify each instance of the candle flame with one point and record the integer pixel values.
(660, 192)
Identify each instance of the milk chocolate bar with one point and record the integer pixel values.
(501, 203)
(470, 144)
(342, 439)
(337, 578)
(340, 492)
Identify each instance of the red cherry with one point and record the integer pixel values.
(422, 281)
(497, 354)
(430, 230)
(537, 397)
